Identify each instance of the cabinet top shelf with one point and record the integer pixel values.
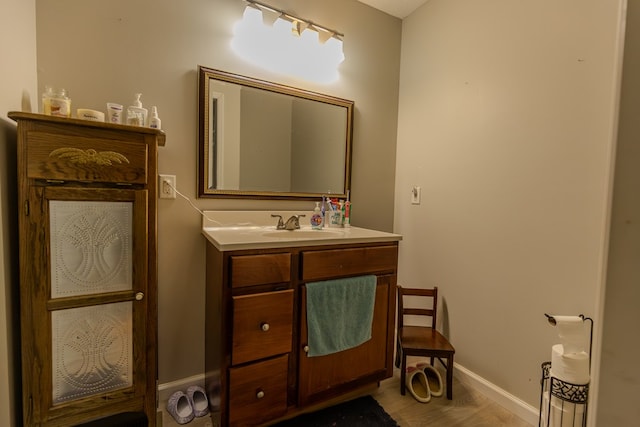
(19, 115)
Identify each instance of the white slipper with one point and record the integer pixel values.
(180, 408)
(417, 384)
(198, 399)
(434, 380)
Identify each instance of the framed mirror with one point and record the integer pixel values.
(259, 139)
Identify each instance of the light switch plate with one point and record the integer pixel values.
(415, 195)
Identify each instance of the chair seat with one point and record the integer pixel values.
(416, 338)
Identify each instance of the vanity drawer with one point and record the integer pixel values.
(262, 325)
(251, 270)
(258, 392)
(317, 265)
(76, 158)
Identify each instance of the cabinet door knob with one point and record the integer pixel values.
(306, 348)
(264, 326)
(260, 394)
(139, 296)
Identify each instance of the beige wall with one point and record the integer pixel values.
(619, 378)
(17, 88)
(507, 122)
(107, 51)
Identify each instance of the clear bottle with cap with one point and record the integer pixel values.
(154, 121)
(136, 114)
(46, 100)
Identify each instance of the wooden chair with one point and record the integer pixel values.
(422, 341)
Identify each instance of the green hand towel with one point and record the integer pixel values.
(339, 314)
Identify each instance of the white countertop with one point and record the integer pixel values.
(234, 230)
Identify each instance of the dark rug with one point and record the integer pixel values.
(362, 412)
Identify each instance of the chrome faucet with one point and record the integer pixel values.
(280, 225)
(292, 223)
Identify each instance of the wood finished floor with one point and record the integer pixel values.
(468, 408)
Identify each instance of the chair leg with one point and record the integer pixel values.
(398, 354)
(403, 374)
(450, 377)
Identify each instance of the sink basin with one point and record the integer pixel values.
(303, 234)
(237, 230)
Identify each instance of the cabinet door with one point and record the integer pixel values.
(322, 377)
(84, 300)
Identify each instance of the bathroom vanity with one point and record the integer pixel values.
(256, 362)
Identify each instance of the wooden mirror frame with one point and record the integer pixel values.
(206, 162)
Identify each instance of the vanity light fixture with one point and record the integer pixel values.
(285, 43)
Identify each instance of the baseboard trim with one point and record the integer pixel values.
(165, 390)
(503, 398)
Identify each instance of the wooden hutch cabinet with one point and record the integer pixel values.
(88, 272)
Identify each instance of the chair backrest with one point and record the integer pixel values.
(426, 305)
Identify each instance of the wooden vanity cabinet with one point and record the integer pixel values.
(257, 369)
(88, 281)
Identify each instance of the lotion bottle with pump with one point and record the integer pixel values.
(154, 121)
(136, 114)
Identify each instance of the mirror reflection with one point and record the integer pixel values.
(260, 139)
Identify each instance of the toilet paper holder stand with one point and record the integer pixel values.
(574, 394)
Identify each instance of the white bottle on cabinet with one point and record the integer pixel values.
(154, 121)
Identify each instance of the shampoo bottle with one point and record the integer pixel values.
(154, 121)
(316, 218)
(136, 115)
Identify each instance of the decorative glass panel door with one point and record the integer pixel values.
(96, 268)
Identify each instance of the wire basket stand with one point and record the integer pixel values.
(569, 400)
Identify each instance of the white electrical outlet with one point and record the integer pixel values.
(167, 186)
(415, 195)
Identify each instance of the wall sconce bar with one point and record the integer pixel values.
(296, 19)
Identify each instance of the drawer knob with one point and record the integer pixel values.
(306, 349)
(260, 394)
(264, 326)
(139, 296)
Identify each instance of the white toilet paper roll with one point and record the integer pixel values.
(569, 367)
(572, 333)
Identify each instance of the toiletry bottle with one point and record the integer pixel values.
(341, 209)
(136, 114)
(60, 103)
(316, 218)
(46, 100)
(154, 121)
(114, 113)
(346, 220)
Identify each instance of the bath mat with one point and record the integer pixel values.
(362, 412)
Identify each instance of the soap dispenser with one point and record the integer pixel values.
(316, 218)
(136, 114)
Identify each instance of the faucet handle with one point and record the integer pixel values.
(280, 225)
